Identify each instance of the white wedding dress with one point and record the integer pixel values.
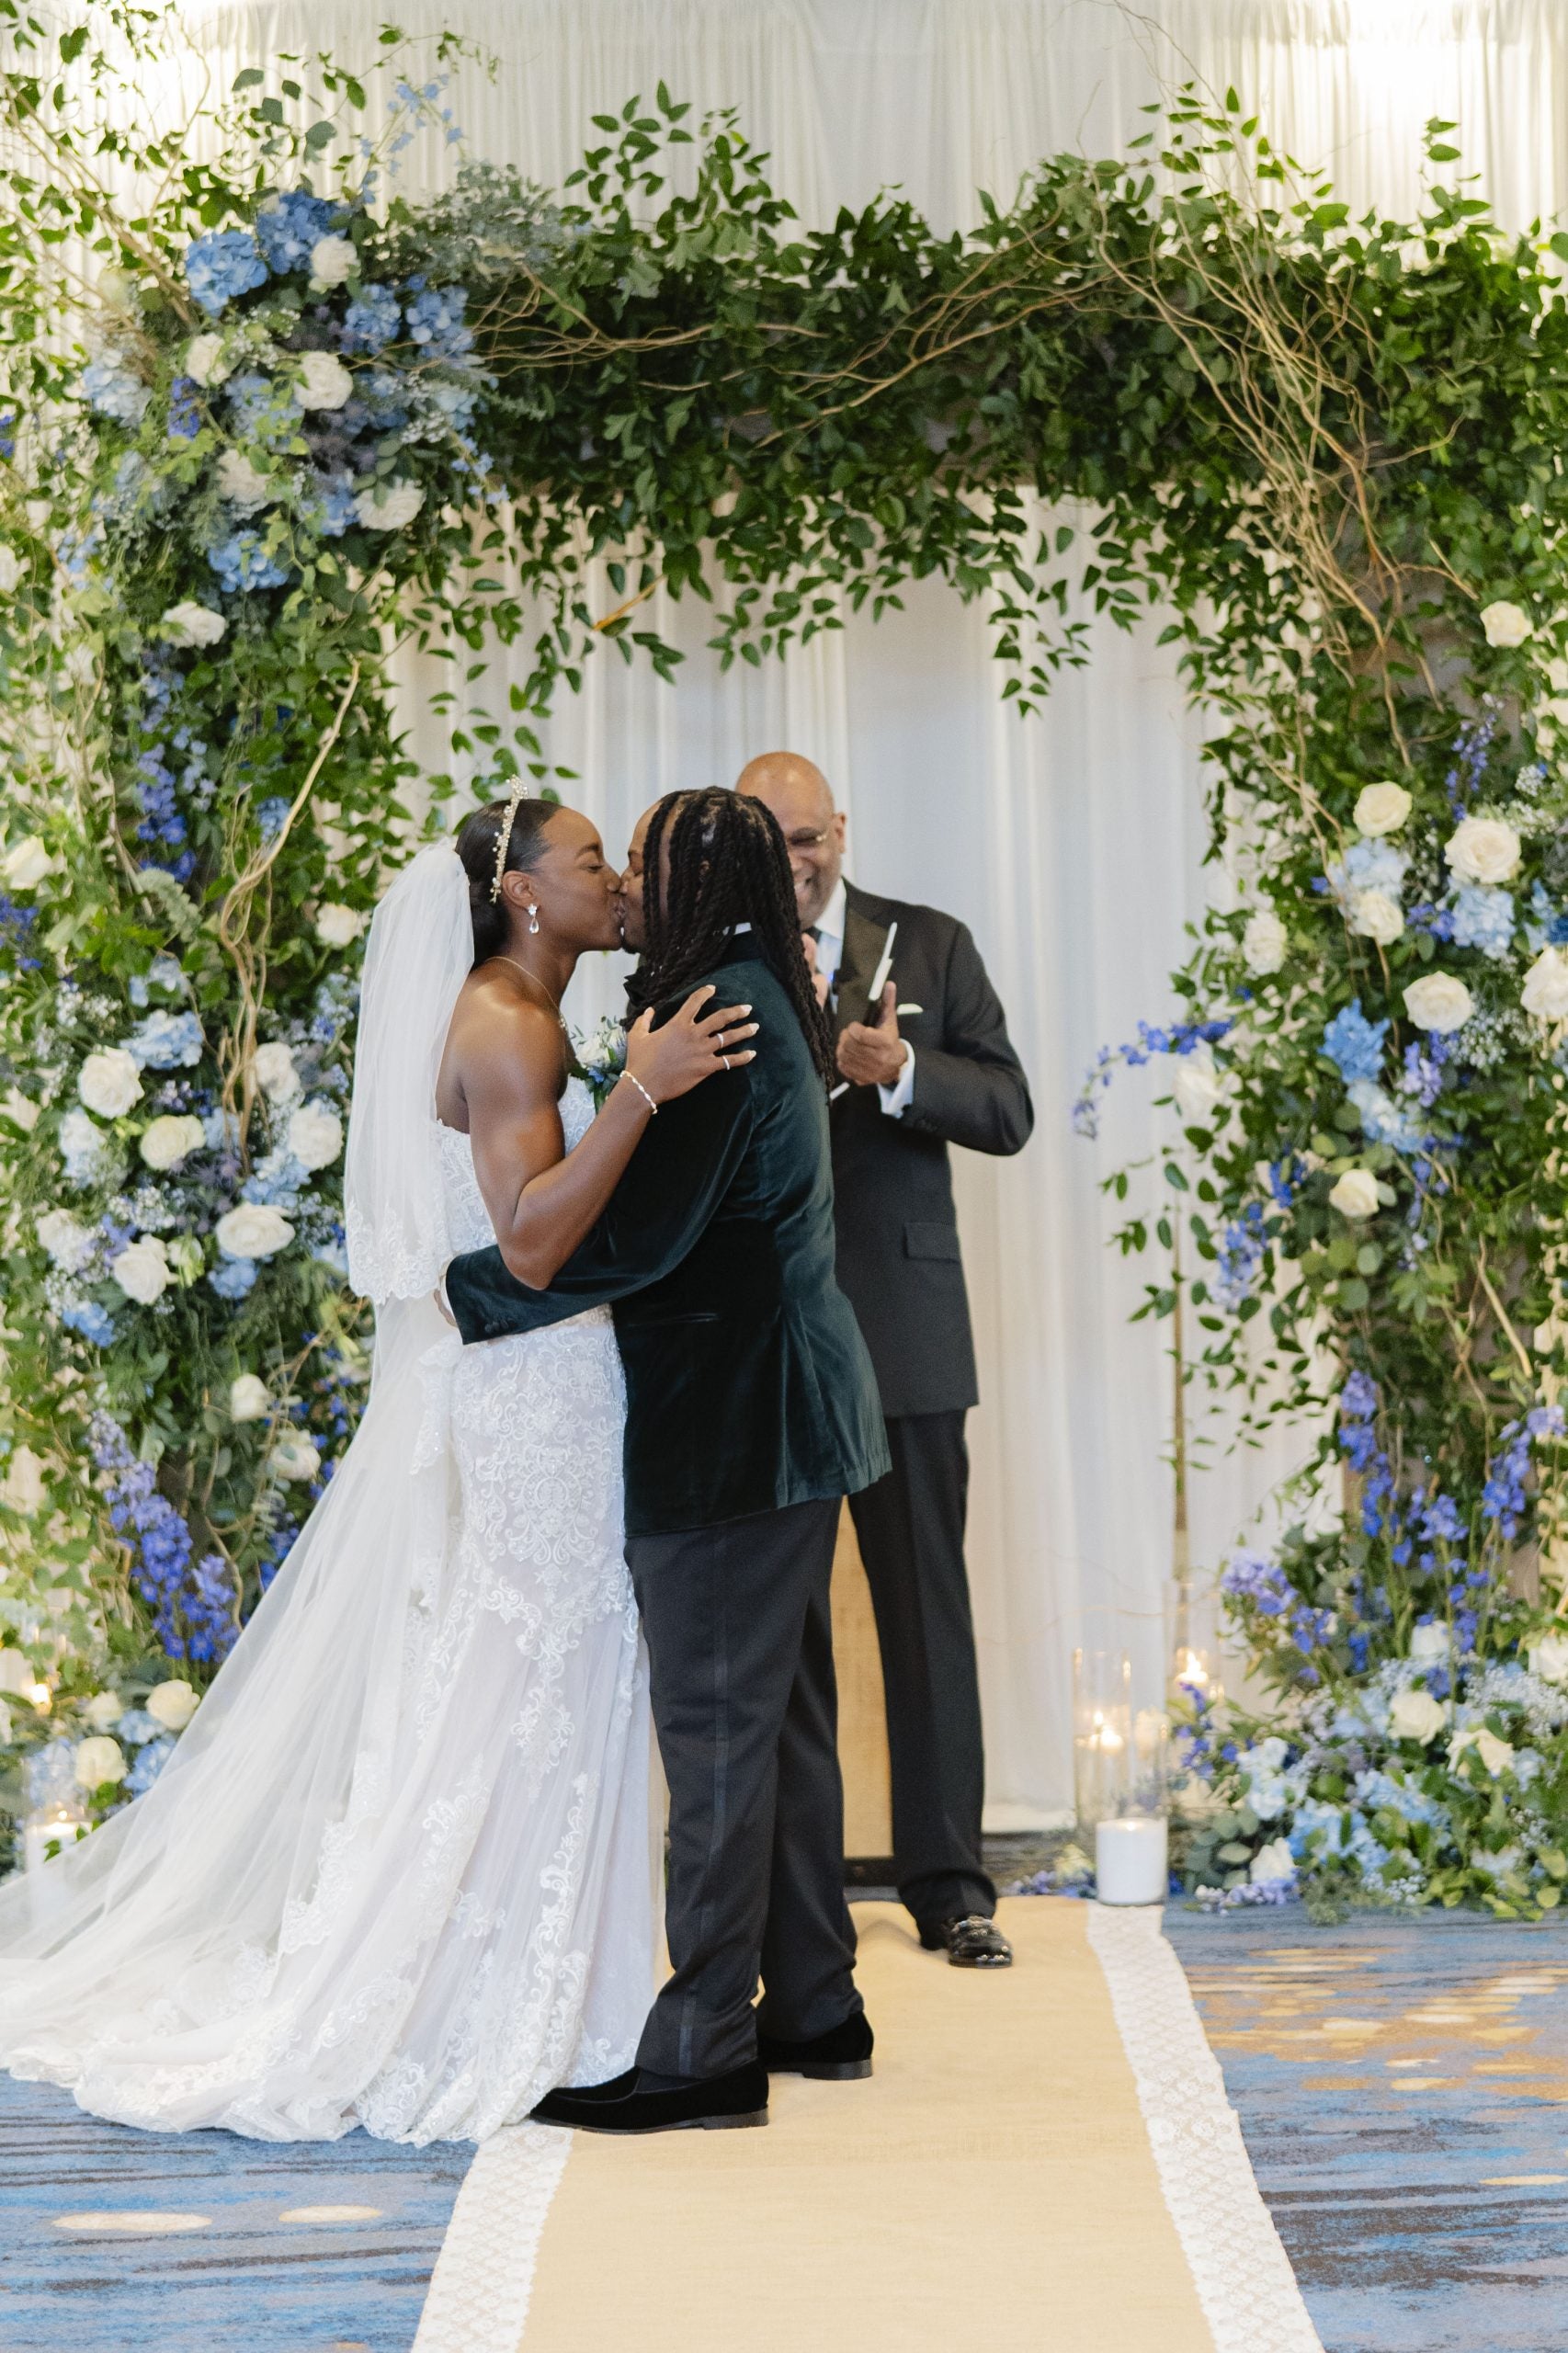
(400, 1872)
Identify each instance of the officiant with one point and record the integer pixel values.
(925, 1061)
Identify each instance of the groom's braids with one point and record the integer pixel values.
(728, 865)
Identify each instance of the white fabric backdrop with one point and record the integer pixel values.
(1070, 842)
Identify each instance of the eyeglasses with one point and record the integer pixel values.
(807, 841)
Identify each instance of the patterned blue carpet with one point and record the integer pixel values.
(201, 2241)
(1403, 2086)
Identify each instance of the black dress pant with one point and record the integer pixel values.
(740, 1653)
(911, 1531)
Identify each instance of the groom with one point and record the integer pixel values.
(751, 1411)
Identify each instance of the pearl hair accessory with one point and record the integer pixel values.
(503, 840)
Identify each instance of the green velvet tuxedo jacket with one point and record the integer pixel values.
(749, 1386)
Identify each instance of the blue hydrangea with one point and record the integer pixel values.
(233, 1277)
(277, 1179)
(1382, 1119)
(272, 814)
(114, 391)
(223, 266)
(94, 1322)
(435, 322)
(165, 1041)
(259, 410)
(243, 561)
(287, 225)
(1484, 918)
(185, 409)
(1546, 928)
(371, 319)
(1317, 1821)
(163, 972)
(150, 1764)
(330, 509)
(1353, 1044)
(136, 1727)
(1376, 1791)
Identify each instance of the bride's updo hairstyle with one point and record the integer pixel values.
(478, 839)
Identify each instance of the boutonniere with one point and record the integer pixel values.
(599, 1058)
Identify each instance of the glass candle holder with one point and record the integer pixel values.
(1102, 1755)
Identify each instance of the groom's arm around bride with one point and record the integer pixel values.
(751, 1411)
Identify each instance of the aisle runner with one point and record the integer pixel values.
(997, 2175)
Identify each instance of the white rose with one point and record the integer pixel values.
(104, 1709)
(65, 1238)
(204, 361)
(1272, 1863)
(1545, 991)
(294, 1457)
(324, 382)
(193, 624)
(20, 1109)
(389, 505)
(99, 1761)
(1549, 1658)
(253, 1230)
(1264, 942)
(339, 926)
(142, 1269)
(24, 864)
(172, 1139)
(1428, 1644)
(1506, 624)
(1496, 1754)
(1382, 808)
(172, 1704)
(275, 1074)
(1416, 1715)
(1483, 849)
(250, 1400)
(1438, 1002)
(1356, 1195)
(22, 1487)
(1377, 916)
(1198, 1086)
(315, 1135)
(16, 1675)
(332, 259)
(242, 484)
(11, 571)
(110, 1083)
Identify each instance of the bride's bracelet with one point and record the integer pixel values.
(641, 1090)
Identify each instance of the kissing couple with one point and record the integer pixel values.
(401, 1872)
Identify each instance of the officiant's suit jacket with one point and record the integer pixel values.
(748, 1385)
(898, 1237)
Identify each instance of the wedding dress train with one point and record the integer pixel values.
(399, 1872)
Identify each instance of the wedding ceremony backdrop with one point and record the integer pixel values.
(1163, 548)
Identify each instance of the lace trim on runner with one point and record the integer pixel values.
(483, 2283)
(1239, 2268)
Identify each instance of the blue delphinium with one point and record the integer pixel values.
(1240, 1258)
(17, 924)
(223, 266)
(1426, 1060)
(1473, 749)
(287, 225)
(371, 319)
(1504, 1497)
(114, 391)
(1354, 1044)
(191, 1599)
(165, 1041)
(185, 409)
(1484, 918)
(242, 562)
(1252, 1576)
(1358, 1444)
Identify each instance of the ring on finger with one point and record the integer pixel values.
(718, 1042)
(725, 1059)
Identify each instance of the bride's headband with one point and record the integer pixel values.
(504, 838)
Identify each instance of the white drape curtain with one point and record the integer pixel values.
(1071, 842)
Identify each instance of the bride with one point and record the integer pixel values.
(400, 1872)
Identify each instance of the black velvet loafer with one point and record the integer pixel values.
(973, 1942)
(842, 2055)
(693, 2104)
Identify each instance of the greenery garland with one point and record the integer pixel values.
(264, 418)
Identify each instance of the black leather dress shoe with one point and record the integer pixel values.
(973, 1942)
(842, 2055)
(657, 2104)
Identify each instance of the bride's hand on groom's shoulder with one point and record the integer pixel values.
(694, 1044)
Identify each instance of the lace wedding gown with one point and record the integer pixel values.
(400, 1872)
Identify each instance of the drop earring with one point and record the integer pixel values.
(533, 919)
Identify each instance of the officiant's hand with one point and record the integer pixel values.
(691, 1046)
(873, 1055)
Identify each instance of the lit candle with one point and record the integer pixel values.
(1131, 1859)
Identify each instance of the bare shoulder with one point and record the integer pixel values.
(501, 1043)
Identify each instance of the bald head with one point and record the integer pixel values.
(801, 798)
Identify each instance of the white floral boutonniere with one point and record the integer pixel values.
(600, 1058)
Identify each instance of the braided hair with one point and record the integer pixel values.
(478, 840)
(728, 865)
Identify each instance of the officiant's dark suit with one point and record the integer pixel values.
(899, 1261)
(751, 1412)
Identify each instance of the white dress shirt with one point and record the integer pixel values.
(897, 1099)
